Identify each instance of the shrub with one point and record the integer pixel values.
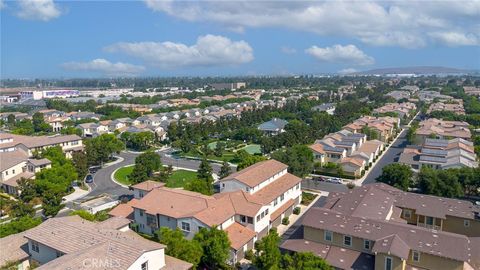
(285, 221)
(296, 210)
(249, 254)
(307, 198)
(350, 185)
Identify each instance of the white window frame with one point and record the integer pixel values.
(351, 240)
(405, 211)
(391, 263)
(35, 246)
(466, 223)
(185, 225)
(415, 254)
(325, 233)
(365, 241)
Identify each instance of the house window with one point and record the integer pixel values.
(429, 220)
(258, 218)
(347, 240)
(388, 263)
(250, 220)
(328, 236)
(266, 212)
(366, 244)
(415, 256)
(275, 202)
(243, 219)
(407, 213)
(59, 254)
(282, 197)
(185, 226)
(466, 223)
(35, 246)
(144, 266)
(13, 171)
(141, 213)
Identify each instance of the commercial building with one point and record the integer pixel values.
(380, 227)
(41, 94)
(228, 86)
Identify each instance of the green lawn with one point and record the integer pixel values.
(227, 156)
(178, 179)
(253, 149)
(121, 175)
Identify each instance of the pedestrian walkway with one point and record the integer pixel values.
(77, 194)
(281, 229)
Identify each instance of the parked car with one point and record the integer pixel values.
(94, 169)
(89, 178)
(335, 180)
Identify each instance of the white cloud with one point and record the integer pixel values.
(347, 71)
(381, 23)
(105, 67)
(348, 54)
(41, 10)
(456, 38)
(209, 50)
(288, 50)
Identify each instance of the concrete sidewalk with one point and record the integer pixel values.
(77, 194)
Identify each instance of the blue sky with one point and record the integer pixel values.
(46, 38)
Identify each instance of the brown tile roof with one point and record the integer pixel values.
(114, 223)
(217, 212)
(239, 235)
(13, 182)
(352, 160)
(340, 258)
(10, 159)
(242, 202)
(267, 194)
(123, 210)
(86, 240)
(148, 185)
(173, 202)
(370, 147)
(437, 243)
(257, 173)
(392, 244)
(13, 248)
(317, 148)
(274, 215)
(172, 263)
(36, 141)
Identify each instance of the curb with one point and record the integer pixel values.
(112, 176)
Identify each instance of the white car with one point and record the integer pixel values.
(335, 180)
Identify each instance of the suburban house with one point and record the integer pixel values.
(429, 96)
(250, 203)
(401, 109)
(398, 95)
(74, 243)
(350, 150)
(15, 165)
(273, 127)
(92, 129)
(385, 126)
(440, 154)
(455, 106)
(441, 129)
(325, 107)
(380, 227)
(29, 144)
(472, 90)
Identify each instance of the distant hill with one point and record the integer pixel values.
(414, 70)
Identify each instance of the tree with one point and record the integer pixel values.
(80, 162)
(443, 183)
(19, 225)
(205, 170)
(304, 261)
(21, 209)
(27, 189)
(219, 148)
(397, 175)
(71, 131)
(179, 247)
(268, 254)
(52, 203)
(244, 159)
(371, 134)
(140, 141)
(200, 186)
(145, 165)
(299, 159)
(225, 170)
(39, 124)
(215, 245)
(101, 148)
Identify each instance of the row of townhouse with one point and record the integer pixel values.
(429, 96)
(74, 243)
(442, 129)
(379, 227)
(440, 154)
(403, 110)
(386, 127)
(352, 151)
(398, 95)
(16, 156)
(250, 203)
(455, 106)
(472, 90)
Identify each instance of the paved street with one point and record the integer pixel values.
(323, 186)
(103, 184)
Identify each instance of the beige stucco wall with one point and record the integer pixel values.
(397, 263)
(428, 261)
(455, 225)
(317, 235)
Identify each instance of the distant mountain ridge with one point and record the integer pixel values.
(414, 70)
